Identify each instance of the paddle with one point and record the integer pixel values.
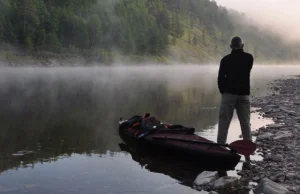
(244, 147)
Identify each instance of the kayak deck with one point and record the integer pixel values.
(193, 149)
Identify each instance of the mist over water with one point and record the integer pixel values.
(73, 113)
(35, 101)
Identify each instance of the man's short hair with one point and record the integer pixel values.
(236, 42)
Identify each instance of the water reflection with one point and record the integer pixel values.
(183, 171)
(59, 112)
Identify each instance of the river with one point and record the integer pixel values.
(68, 118)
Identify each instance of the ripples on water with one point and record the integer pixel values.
(68, 117)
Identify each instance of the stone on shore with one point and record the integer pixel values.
(292, 176)
(273, 157)
(205, 178)
(264, 136)
(275, 126)
(276, 158)
(282, 134)
(279, 177)
(266, 186)
(224, 182)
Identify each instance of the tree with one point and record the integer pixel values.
(29, 43)
(195, 40)
(1, 30)
(52, 42)
(94, 31)
(134, 27)
(29, 21)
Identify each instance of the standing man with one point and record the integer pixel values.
(234, 85)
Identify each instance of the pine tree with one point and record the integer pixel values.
(195, 40)
(95, 31)
(29, 21)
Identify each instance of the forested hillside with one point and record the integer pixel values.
(173, 30)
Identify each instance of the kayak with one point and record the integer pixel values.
(177, 140)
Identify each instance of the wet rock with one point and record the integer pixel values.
(297, 126)
(264, 136)
(204, 178)
(275, 126)
(254, 133)
(213, 192)
(267, 186)
(224, 182)
(256, 178)
(280, 177)
(241, 173)
(251, 186)
(289, 112)
(267, 157)
(203, 192)
(281, 117)
(282, 134)
(291, 176)
(274, 157)
(277, 158)
(297, 182)
(294, 188)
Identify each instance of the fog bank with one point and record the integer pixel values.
(279, 16)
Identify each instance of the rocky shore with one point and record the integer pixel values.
(279, 143)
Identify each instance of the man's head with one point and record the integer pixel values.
(236, 43)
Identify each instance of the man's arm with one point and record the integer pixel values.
(251, 62)
(221, 76)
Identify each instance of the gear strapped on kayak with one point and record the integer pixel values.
(141, 126)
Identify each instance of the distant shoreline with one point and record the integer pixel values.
(49, 59)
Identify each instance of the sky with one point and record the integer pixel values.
(282, 16)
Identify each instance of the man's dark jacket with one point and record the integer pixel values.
(234, 73)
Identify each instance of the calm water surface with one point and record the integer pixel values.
(69, 118)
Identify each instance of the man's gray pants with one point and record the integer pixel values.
(242, 105)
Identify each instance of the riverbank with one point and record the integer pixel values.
(279, 143)
(16, 58)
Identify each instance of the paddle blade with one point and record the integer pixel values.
(244, 147)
